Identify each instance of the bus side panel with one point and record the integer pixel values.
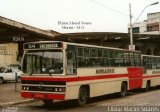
(106, 87)
(135, 78)
(72, 92)
(154, 79)
(96, 87)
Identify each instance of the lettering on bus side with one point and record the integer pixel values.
(105, 71)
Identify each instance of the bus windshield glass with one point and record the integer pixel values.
(43, 62)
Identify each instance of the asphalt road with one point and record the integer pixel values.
(135, 101)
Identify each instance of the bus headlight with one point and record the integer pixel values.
(25, 88)
(60, 89)
(56, 89)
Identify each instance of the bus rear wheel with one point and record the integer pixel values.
(123, 89)
(48, 102)
(82, 96)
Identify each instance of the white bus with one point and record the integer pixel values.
(55, 70)
(151, 76)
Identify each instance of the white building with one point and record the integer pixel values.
(8, 54)
(149, 26)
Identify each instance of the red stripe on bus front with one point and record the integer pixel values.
(26, 95)
(43, 96)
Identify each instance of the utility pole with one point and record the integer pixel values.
(131, 46)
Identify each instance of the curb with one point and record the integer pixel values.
(17, 102)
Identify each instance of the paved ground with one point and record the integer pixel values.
(107, 103)
(136, 100)
(8, 95)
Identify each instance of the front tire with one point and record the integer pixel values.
(82, 96)
(123, 91)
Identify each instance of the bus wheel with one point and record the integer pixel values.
(1, 80)
(83, 96)
(123, 89)
(147, 86)
(48, 102)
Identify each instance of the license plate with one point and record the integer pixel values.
(39, 96)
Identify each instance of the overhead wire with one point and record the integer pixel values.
(114, 10)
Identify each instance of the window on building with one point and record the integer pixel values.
(152, 28)
(136, 30)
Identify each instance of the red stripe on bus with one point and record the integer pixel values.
(78, 78)
(151, 76)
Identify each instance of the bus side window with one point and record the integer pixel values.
(71, 62)
(137, 59)
(126, 59)
(105, 58)
(131, 58)
(119, 61)
(111, 58)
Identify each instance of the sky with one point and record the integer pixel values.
(67, 16)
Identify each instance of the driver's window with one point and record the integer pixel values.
(52, 62)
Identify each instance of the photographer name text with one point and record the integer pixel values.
(74, 24)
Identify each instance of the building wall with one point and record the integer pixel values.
(151, 17)
(142, 27)
(8, 54)
(149, 26)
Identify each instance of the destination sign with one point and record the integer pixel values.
(42, 45)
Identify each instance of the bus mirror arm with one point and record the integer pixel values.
(31, 73)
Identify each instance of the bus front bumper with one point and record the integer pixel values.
(48, 96)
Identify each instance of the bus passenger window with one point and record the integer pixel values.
(119, 61)
(111, 58)
(71, 62)
(137, 59)
(126, 59)
(131, 58)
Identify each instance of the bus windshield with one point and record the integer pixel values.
(43, 62)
